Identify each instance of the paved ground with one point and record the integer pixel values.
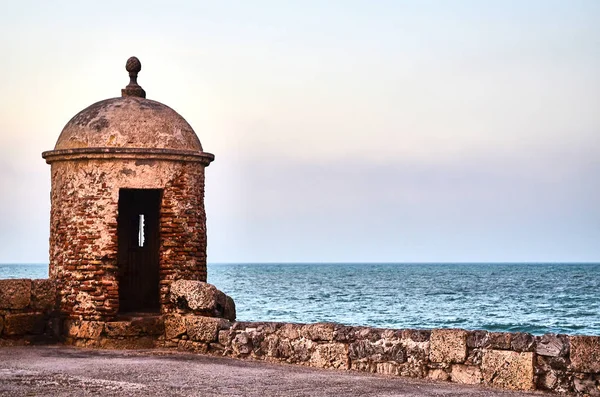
(64, 371)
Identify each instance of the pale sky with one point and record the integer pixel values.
(394, 131)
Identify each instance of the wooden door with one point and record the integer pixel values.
(138, 245)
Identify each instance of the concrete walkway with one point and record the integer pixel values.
(64, 371)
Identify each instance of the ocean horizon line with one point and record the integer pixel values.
(370, 263)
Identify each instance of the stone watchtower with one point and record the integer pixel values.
(127, 213)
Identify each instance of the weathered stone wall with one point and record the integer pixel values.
(27, 311)
(202, 321)
(514, 361)
(83, 222)
(182, 231)
(132, 333)
(192, 301)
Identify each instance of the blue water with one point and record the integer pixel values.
(535, 298)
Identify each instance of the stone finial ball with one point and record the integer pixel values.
(133, 65)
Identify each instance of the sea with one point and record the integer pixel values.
(527, 297)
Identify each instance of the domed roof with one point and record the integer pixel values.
(128, 122)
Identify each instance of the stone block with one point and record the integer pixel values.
(362, 349)
(448, 346)
(465, 374)
(318, 331)
(224, 337)
(205, 329)
(382, 350)
(587, 386)
(508, 369)
(149, 325)
(84, 329)
(117, 329)
(284, 348)
(387, 368)
(195, 347)
(343, 333)
(547, 380)
(201, 298)
(24, 324)
(269, 346)
(476, 338)
(229, 310)
(363, 366)
(438, 374)
(488, 340)
(416, 335)
(498, 340)
(413, 369)
(174, 326)
(474, 356)
(585, 353)
(43, 294)
(330, 355)
(522, 342)
(15, 293)
(242, 344)
(552, 345)
(289, 331)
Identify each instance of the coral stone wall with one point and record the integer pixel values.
(513, 361)
(203, 322)
(27, 311)
(83, 228)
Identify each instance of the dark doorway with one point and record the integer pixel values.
(138, 239)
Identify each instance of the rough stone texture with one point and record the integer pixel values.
(404, 353)
(588, 386)
(508, 370)
(190, 346)
(43, 294)
(438, 374)
(137, 326)
(15, 293)
(84, 329)
(149, 325)
(83, 235)
(24, 323)
(465, 374)
(417, 335)
(522, 342)
(552, 345)
(585, 353)
(488, 340)
(386, 349)
(1, 324)
(128, 122)
(204, 329)
(330, 355)
(448, 346)
(552, 374)
(289, 331)
(318, 331)
(497, 340)
(174, 326)
(201, 298)
(115, 329)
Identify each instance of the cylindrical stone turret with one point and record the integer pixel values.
(127, 215)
